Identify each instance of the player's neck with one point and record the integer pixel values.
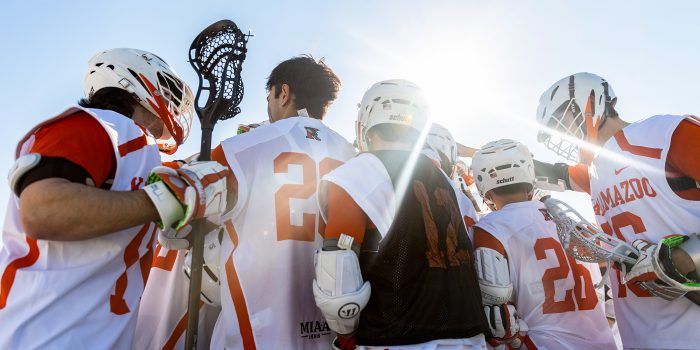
(382, 145)
(611, 127)
(501, 201)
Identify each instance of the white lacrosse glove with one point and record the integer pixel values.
(194, 191)
(173, 239)
(506, 327)
(649, 271)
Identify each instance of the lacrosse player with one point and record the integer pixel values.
(393, 223)
(272, 228)
(533, 293)
(643, 180)
(442, 150)
(78, 237)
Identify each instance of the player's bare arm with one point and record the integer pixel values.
(57, 209)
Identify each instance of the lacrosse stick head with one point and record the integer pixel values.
(217, 55)
(584, 241)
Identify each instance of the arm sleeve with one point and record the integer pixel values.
(560, 176)
(344, 216)
(685, 148)
(79, 139)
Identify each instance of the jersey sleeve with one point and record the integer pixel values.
(685, 147)
(483, 239)
(79, 139)
(344, 215)
(219, 156)
(682, 159)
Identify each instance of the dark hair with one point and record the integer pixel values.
(395, 133)
(313, 83)
(111, 98)
(513, 189)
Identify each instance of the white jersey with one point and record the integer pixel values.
(162, 318)
(272, 233)
(553, 293)
(79, 294)
(632, 199)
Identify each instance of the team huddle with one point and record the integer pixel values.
(313, 242)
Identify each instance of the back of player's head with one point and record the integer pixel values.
(313, 84)
(111, 98)
(396, 110)
(441, 141)
(504, 167)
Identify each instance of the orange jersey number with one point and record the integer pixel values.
(616, 223)
(304, 190)
(583, 291)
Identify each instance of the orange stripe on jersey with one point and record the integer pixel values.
(166, 262)
(529, 344)
(234, 286)
(469, 221)
(178, 331)
(231, 182)
(146, 260)
(117, 304)
(8, 276)
(483, 239)
(132, 145)
(648, 152)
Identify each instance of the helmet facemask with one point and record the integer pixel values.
(172, 101)
(565, 125)
(572, 112)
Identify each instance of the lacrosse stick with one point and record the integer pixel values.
(586, 242)
(217, 55)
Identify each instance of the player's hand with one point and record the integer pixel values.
(194, 191)
(344, 342)
(643, 269)
(506, 327)
(647, 270)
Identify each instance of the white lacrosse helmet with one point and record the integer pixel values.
(576, 106)
(211, 283)
(441, 141)
(150, 81)
(502, 163)
(397, 101)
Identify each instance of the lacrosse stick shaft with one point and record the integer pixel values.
(197, 252)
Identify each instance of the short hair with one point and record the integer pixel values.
(111, 98)
(521, 187)
(395, 133)
(313, 83)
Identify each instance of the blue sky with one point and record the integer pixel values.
(483, 63)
